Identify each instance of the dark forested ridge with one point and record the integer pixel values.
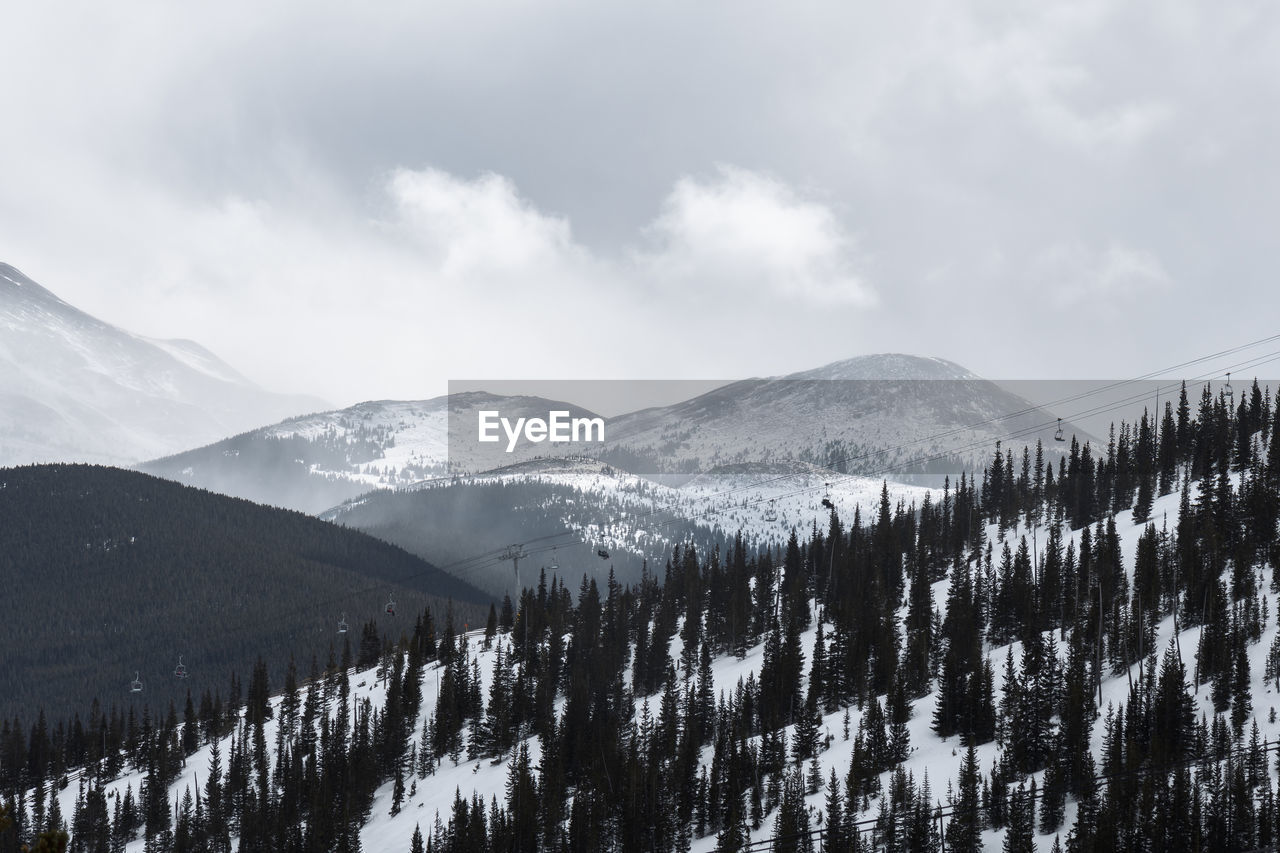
(106, 571)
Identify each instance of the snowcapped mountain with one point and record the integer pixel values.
(880, 415)
(314, 462)
(886, 366)
(73, 388)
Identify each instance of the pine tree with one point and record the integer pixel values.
(1083, 835)
(1018, 837)
(791, 827)
(805, 743)
(397, 793)
(834, 839)
(964, 832)
(899, 715)
(1053, 794)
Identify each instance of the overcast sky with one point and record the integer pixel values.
(366, 200)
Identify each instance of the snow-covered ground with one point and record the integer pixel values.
(763, 502)
(938, 759)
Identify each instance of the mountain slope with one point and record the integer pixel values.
(869, 415)
(73, 388)
(314, 462)
(429, 796)
(573, 508)
(106, 571)
(882, 661)
(876, 414)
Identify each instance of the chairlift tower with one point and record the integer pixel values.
(515, 553)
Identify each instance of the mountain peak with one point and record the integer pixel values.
(889, 365)
(14, 283)
(76, 388)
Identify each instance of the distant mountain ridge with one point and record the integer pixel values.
(314, 462)
(869, 415)
(74, 388)
(880, 415)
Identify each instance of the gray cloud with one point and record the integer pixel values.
(362, 202)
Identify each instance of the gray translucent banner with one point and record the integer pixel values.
(905, 429)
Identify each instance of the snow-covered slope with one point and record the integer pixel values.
(573, 508)
(894, 415)
(314, 462)
(876, 414)
(433, 796)
(73, 388)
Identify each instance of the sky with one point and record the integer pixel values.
(363, 201)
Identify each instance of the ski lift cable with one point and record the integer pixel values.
(480, 561)
(1112, 406)
(1101, 409)
(908, 463)
(1058, 402)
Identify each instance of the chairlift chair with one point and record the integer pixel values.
(391, 606)
(826, 497)
(771, 514)
(342, 624)
(136, 685)
(1057, 436)
(180, 671)
(1228, 391)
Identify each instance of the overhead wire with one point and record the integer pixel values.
(901, 465)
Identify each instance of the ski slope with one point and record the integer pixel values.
(937, 758)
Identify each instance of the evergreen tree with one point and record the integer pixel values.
(1018, 837)
(964, 831)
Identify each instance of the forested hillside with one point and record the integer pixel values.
(446, 524)
(106, 572)
(1071, 656)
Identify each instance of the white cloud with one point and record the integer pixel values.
(441, 276)
(478, 228)
(752, 234)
